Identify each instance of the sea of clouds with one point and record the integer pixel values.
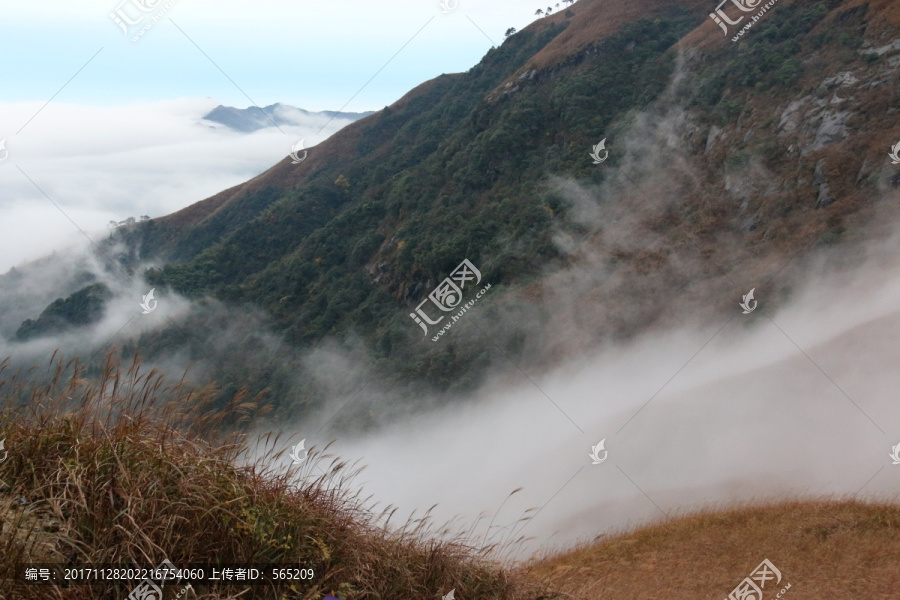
(74, 168)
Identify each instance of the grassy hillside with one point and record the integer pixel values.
(843, 550)
(111, 478)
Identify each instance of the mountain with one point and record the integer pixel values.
(248, 120)
(727, 160)
(84, 307)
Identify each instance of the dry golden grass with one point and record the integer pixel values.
(593, 20)
(126, 470)
(840, 550)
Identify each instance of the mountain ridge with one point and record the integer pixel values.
(248, 120)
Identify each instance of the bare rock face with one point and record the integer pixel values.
(825, 196)
(714, 133)
(819, 173)
(790, 118)
(817, 120)
(750, 224)
(833, 129)
(829, 124)
(842, 79)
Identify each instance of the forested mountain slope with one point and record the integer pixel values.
(726, 158)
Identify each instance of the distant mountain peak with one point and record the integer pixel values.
(248, 120)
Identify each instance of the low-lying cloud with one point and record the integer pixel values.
(794, 399)
(75, 168)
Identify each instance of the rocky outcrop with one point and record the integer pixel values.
(825, 196)
(833, 128)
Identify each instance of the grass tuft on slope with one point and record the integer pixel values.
(121, 468)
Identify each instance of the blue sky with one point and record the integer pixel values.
(315, 55)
